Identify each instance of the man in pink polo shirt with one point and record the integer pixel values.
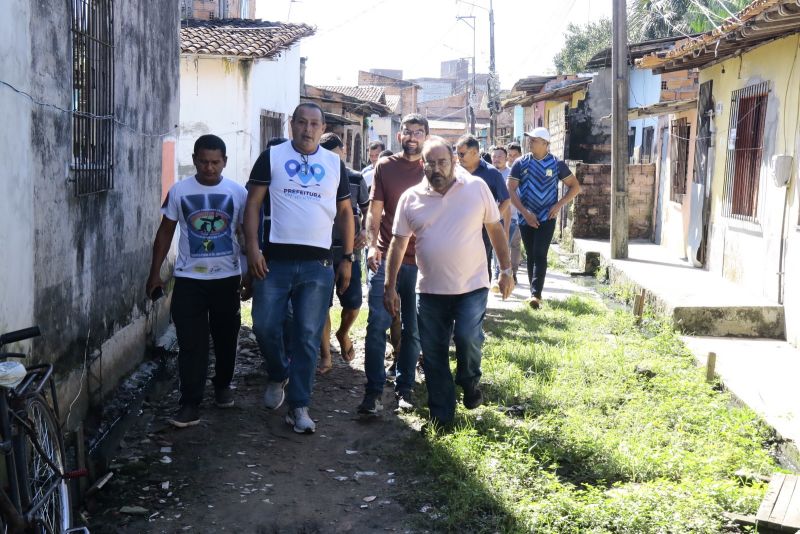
(446, 214)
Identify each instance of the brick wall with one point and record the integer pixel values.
(591, 213)
(680, 85)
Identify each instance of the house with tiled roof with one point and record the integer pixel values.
(240, 79)
(349, 113)
(382, 128)
(744, 221)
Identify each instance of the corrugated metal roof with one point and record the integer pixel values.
(245, 38)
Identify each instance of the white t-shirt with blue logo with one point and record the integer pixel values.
(208, 217)
(301, 205)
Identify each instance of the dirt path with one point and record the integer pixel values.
(244, 470)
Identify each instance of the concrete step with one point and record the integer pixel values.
(699, 302)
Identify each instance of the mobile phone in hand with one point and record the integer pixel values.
(157, 293)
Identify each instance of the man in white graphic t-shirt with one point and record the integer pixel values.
(303, 190)
(209, 209)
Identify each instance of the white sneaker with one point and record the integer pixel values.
(300, 421)
(274, 395)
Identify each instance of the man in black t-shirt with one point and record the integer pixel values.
(352, 297)
(303, 190)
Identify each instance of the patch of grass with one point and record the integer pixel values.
(575, 437)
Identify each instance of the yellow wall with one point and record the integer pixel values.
(748, 252)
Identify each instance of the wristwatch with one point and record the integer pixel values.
(349, 257)
(507, 272)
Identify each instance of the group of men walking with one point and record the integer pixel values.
(434, 219)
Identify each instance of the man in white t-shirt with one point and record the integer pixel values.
(446, 214)
(374, 151)
(303, 190)
(209, 210)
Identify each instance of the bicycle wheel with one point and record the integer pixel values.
(46, 493)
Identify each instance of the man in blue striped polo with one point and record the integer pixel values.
(533, 188)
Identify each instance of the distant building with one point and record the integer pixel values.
(397, 74)
(240, 80)
(217, 9)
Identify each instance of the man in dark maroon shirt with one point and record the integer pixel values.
(393, 175)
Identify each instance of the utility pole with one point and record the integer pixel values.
(470, 112)
(619, 133)
(494, 106)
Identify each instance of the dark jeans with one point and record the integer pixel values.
(487, 244)
(439, 316)
(200, 307)
(379, 321)
(537, 243)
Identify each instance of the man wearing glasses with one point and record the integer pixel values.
(393, 175)
(469, 157)
(446, 214)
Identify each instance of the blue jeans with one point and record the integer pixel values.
(379, 321)
(439, 315)
(512, 228)
(307, 285)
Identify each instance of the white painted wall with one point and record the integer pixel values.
(16, 186)
(225, 97)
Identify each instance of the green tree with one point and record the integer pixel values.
(581, 42)
(653, 19)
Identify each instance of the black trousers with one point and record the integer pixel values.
(200, 308)
(487, 244)
(537, 243)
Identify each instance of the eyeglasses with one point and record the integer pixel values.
(413, 133)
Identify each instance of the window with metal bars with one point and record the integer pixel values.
(92, 96)
(745, 150)
(271, 126)
(679, 157)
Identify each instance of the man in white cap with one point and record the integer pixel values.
(533, 188)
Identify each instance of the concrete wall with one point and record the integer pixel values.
(226, 96)
(644, 88)
(79, 264)
(16, 188)
(590, 123)
(749, 253)
(673, 224)
(591, 212)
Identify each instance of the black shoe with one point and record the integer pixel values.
(223, 398)
(472, 398)
(371, 404)
(405, 400)
(188, 415)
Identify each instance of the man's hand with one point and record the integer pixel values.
(374, 259)
(246, 287)
(152, 283)
(554, 211)
(391, 301)
(506, 283)
(531, 219)
(343, 276)
(360, 241)
(256, 263)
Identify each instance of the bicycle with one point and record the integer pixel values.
(34, 497)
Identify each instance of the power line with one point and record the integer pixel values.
(83, 114)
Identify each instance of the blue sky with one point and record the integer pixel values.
(416, 35)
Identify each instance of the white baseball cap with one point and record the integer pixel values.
(539, 132)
